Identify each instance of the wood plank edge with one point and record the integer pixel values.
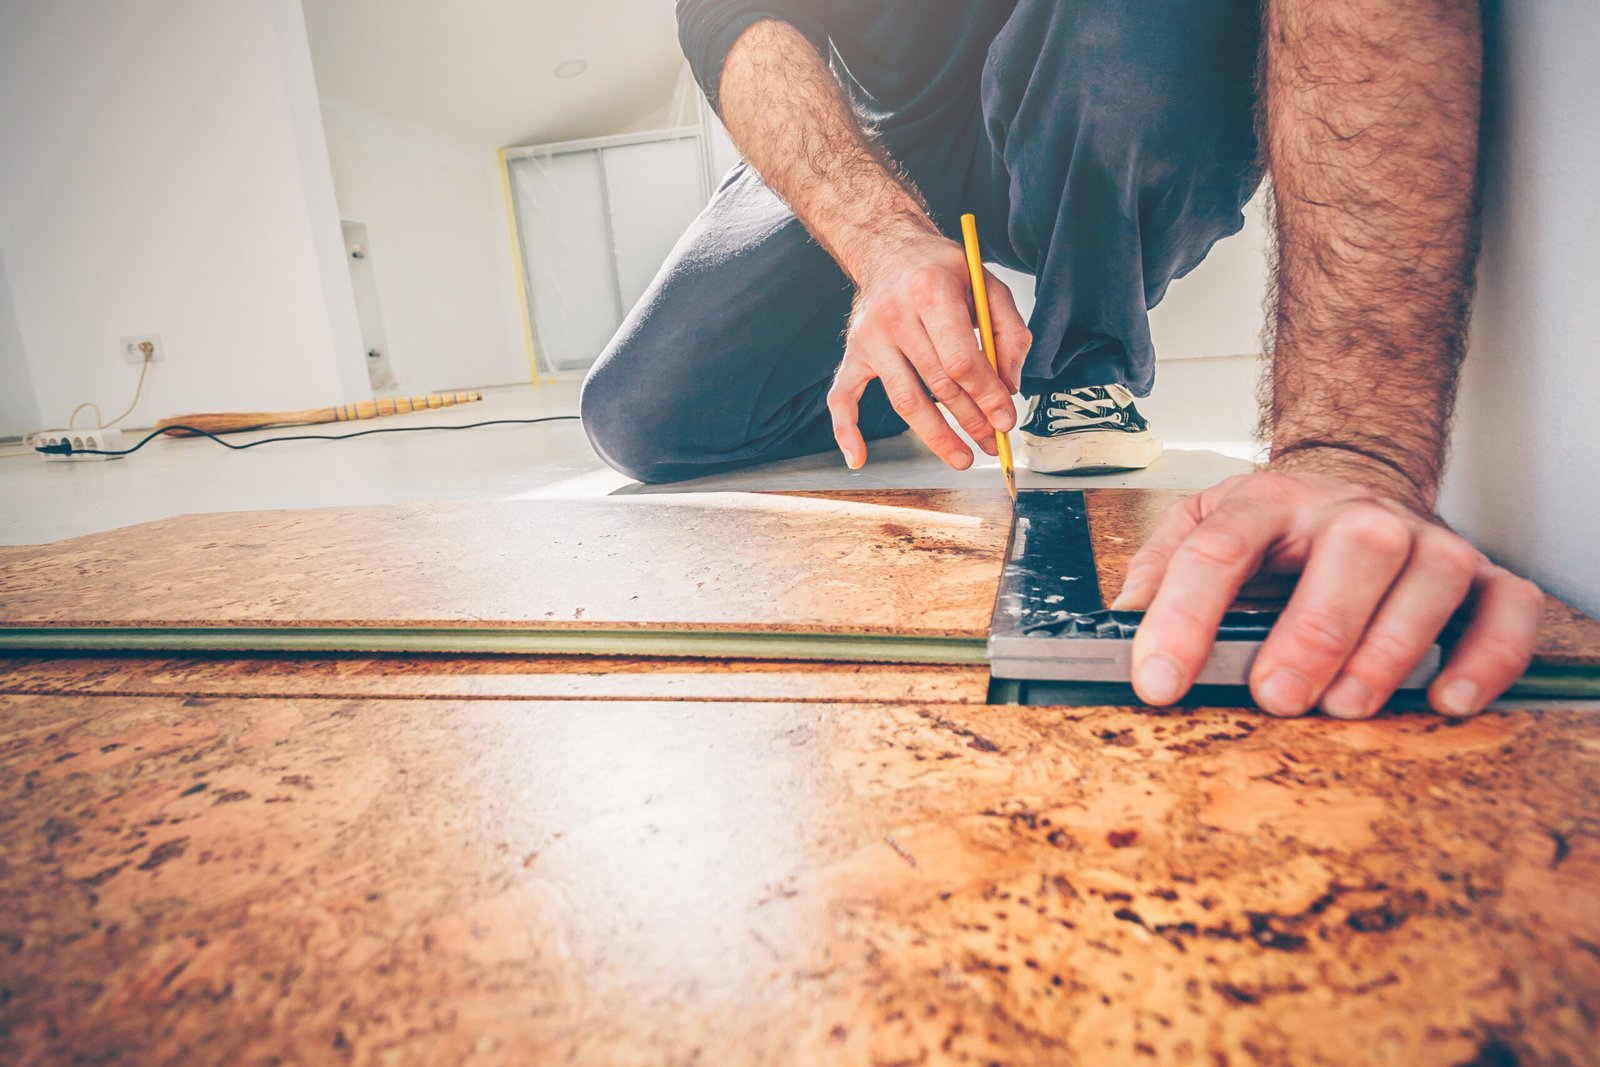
(921, 700)
(838, 648)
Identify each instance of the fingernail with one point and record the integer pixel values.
(1284, 693)
(1159, 680)
(1460, 697)
(1128, 596)
(1002, 418)
(958, 461)
(1350, 698)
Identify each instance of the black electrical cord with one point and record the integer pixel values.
(64, 448)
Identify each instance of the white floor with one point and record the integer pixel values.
(42, 501)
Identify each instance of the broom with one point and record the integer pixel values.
(234, 421)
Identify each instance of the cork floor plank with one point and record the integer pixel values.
(594, 882)
(410, 677)
(732, 563)
(796, 576)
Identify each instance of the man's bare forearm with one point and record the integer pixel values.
(1372, 126)
(791, 121)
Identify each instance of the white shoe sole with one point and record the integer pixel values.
(1090, 451)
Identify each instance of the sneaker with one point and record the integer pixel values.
(1091, 428)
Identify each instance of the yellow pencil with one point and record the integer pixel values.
(980, 300)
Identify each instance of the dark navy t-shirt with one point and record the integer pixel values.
(900, 60)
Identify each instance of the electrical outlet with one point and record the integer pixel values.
(133, 350)
(100, 440)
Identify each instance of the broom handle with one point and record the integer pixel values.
(234, 421)
(397, 405)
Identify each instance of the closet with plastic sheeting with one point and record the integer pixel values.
(596, 220)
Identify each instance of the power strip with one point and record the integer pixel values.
(102, 440)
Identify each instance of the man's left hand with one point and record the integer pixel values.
(1378, 582)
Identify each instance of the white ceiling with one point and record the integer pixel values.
(484, 68)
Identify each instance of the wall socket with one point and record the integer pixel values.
(94, 440)
(132, 353)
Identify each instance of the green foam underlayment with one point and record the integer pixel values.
(845, 648)
(1578, 681)
(1542, 680)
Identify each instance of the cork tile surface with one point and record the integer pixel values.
(908, 563)
(592, 882)
(739, 561)
(491, 677)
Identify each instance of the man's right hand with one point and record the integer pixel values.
(912, 323)
(912, 328)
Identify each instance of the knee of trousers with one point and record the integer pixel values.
(649, 415)
(628, 422)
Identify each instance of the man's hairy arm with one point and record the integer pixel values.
(788, 116)
(1371, 122)
(911, 325)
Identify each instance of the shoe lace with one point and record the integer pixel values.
(1081, 407)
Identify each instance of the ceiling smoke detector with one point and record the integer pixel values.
(571, 68)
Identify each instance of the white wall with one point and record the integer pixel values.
(434, 210)
(1219, 308)
(164, 171)
(19, 414)
(1524, 483)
